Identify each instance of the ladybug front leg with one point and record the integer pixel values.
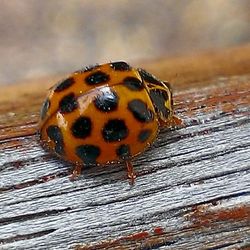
(131, 173)
(76, 172)
(172, 122)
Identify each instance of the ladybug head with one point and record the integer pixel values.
(160, 93)
(162, 100)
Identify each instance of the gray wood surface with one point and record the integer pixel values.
(193, 183)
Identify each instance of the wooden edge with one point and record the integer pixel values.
(182, 71)
(200, 67)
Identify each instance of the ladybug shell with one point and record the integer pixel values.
(99, 115)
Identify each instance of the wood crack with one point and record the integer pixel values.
(27, 236)
(31, 216)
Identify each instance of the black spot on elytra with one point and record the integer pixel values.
(144, 135)
(114, 130)
(45, 108)
(147, 77)
(81, 128)
(65, 84)
(55, 134)
(140, 111)
(107, 100)
(88, 153)
(123, 151)
(97, 78)
(159, 97)
(68, 103)
(120, 66)
(133, 83)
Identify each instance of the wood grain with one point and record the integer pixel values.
(193, 185)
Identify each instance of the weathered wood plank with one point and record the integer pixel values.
(193, 186)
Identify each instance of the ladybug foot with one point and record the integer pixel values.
(176, 121)
(131, 173)
(75, 173)
(173, 122)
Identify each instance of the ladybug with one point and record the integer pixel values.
(105, 114)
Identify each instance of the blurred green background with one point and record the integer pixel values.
(47, 37)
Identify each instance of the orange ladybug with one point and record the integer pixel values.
(105, 114)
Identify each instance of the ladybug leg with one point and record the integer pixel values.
(131, 173)
(176, 121)
(76, 172)
(172, 122)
